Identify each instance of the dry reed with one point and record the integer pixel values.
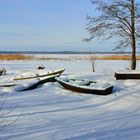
(27, 57)
(117, 57)
(15, 57)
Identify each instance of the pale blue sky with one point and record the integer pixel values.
(49, 25)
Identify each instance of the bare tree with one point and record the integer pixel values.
(4, 112)
(116, 18)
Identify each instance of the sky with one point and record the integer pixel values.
(46, 25)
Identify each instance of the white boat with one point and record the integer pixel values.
(35, 83)
(38, 73)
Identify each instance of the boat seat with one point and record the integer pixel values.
(100, 85)
(65, 79)
(80, 83)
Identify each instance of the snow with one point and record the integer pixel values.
(54, 113)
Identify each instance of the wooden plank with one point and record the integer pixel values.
(125, 76)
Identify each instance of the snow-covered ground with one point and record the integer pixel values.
(53, 113)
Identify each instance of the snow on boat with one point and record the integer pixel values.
(85, 86)
(129, 74)
(38, 73)
(35, 83)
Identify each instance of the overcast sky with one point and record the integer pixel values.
(49, 25)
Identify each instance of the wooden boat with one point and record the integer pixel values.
(36, 83)
(39, 73)
(2, 71)
(123, 75)
(86, 86)
(8, 84)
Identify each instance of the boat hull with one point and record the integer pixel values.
(85, 90)
(36, 84)
(43, 75)
(125, 76)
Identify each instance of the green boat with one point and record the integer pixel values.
(85, 86)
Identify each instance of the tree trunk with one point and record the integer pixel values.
(133, 65)
(93, 65)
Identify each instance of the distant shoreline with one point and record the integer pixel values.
(61, 52)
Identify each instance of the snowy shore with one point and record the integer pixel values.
(53, 113)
